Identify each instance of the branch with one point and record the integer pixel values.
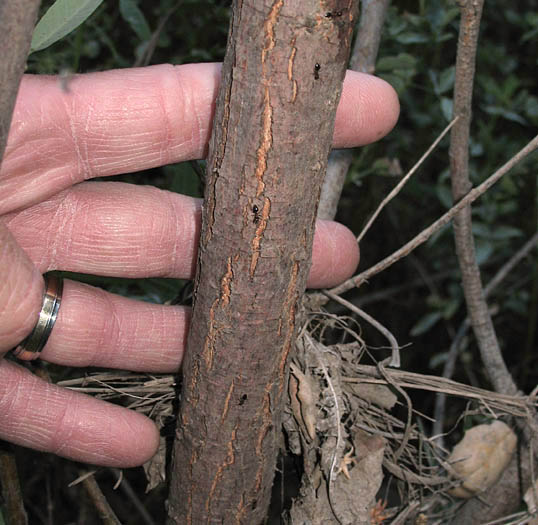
(276, 106)
(11, 489)
(99, 500)
(404, 180)
(395, 359)
(424, 235)
(363, 58)
(17, 21)
(459, 167)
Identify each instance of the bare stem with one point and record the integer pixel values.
(404, 180)
(11, 489)
(99, 500)
(395, 359)
(459, 167)
(363, 58)
(448, 370)
(425, 234)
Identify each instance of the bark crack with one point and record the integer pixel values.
(262, 220)
(291, 60)
(230, 459)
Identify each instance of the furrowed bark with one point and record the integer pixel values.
(280, 87)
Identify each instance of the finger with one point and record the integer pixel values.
(21, 292)
(127, 120)
(46, 417)
(335, 255)
(122, 230)
(97, 328)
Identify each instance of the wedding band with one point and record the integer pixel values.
(31, 347)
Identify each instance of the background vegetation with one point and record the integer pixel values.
(420, 298)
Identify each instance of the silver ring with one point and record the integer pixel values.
(31, 347)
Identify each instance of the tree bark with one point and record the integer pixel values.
(274, 121)
(17, 21)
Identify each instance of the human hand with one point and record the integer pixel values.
(53, 218)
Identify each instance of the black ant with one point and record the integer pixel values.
(243, 398)
(330, 14)
(256, 211)
(317, 67)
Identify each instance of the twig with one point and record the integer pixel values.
(395, 359)
(145, 58)
(407, 432)
(363, 58)
(99, 500)
(511, 264)
(477, 308)
(516, 405)
(404, 180)
(11, 489)
(425, 234)
(448, 369)
(126, 487)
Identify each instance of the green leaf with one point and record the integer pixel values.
(508, 115)
(411, 38)
(400, 61)
(425, 323)
(63, 17)
(446, 79)
(132, 14)
(446, 108)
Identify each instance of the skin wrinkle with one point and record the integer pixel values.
(62, 436)
(82, 162)
(110, 332)
(61, 229)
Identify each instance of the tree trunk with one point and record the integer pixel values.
(280, 87)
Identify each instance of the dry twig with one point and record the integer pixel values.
(425, 234)
(404, 180)
(99, 500)
(11, 489)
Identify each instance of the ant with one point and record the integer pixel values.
(256, 211)
(317, 67)
(242, 400)
(330, 14)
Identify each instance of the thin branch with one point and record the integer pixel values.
(129, 492)
(448, 369)
(11, 489)
(395, 359)
(106, 513)
(145, 58)
(363, 58)
(404, 180)
(403, 393)
(511, 264)
(423, 236)
(481, 321)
